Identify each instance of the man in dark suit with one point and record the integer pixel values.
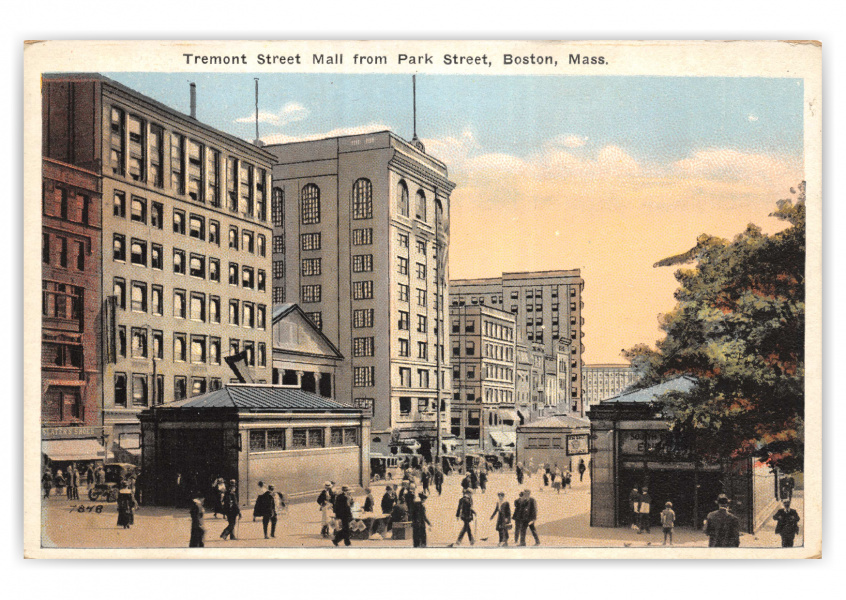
(419, 521)
(466, 514)
(503, 521)
(788, 524)
(232, 510)
(343, 512)
(530, 514)
(644, 506)
(198, 528)
(326, 500)
(439, 480)
(519, 518)
(722, 527)
(266, 509)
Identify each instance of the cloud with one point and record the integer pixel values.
(290, 113)
(568, 140)
(734, 165)
(282, 138)
(752, 118)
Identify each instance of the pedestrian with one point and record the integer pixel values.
(265, 508)
(69, 488)
(787, 487)
(582, 469)
(643, 508)
(465, 514)
(568, 480)
(326, 500)
(419, 521)
(59, 481)
(100, 475)
(557, 480)
(788, 524)
(518, 516)
(483, 480)
(546, 474)
(389, 498)
(343, 513)
(531, 468)
(503, 514)
(126, 506)
(528, 517)
(465, 483)
(634, 498)
(439, 480)
(47, 482)
(219, 487)
(410, 494)
(231, 510)
(198, 526)
(424, 481)
(668, 520)
(89, 476)
(369, 503)
(722, 527)
(519, 472)
(261, 492)
(474, 479)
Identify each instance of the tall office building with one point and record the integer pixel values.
(603, 381)
(547, 306)
(185, 237)
(354, 222)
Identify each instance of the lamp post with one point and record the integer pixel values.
(439, 263)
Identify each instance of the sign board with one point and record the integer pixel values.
(578, 443)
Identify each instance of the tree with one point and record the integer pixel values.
(739, 329)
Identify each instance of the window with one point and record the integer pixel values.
(363, 376)
(310, 267)
(403, 240)
(179, 304)
(157, 215)
(471, 372)
(118, 247)
(198, 307)
(310, 205)
(232, 183)
(80, 256)
(249, 319)
(214, 383)
(156, 143)
(405, 376)
(117, 141)
(233, 238)
(158, 344)
(120, 205)
(198, 349)
(310, 293)
(214, 233)
(363, 318)
(45, 248)
(233, 273)
(420, 205)
(177, 163)
(233, 347)
(119, 290)
(139, 390)
(421, 271)
(421, 246)
(214, 309)
(180, 387)
(316, 318)
(214, 270)
(139, 210)
(403, 265)
(456, 348)
(179, 347)
(261, 245)
(362, 263)
(402, 199)
(277, 208)
(307, 438)
(278, 295)
(261, 316)
(179, 222)
(179, 261)
(246, 184)
(421, 297)
(247, 245)
(278, 269)
(421, 324)
(247, 277)
(196, 163)
(403, 292)
(156, 257)
(197, 227)
(423, 378)
(214, 351)
(362, 290)
(139, 296)
(213, 177)
(234, 312)
(137, 147)
(362, 237)
(423, 350)
(197, 266)
(261, 279)
(363, 346)
(121, 341)
(63, 252)
(405, 405)
(157, 300)
(362, 199)
(403, 347)
(279, 243)
(139, 342)
(403, 320)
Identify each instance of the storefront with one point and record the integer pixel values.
(61, 446)
(293, 439)
(634, 447)
(559, 440)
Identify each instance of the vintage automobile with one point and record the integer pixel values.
(115, 474)
(384, 467)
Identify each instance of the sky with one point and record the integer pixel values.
(603, 174)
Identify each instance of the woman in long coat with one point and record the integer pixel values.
(502, 512)
(126, 506)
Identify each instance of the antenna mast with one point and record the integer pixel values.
(415, 141)
(258, 141)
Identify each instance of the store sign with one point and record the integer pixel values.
(578, 443)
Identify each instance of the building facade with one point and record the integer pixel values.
(71, 386)
(483, 360)
(606, 381)
(361, 232)
(547, 307)
(185, 235)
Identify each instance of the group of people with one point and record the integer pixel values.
(225, 502)
(70, 480)
(560, 479)
(522, 518)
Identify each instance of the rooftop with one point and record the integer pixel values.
(655, 392)
(272, 398)
(558, 422)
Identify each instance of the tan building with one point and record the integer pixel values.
(355, 221)
(603, 381)
(185, 237)
(483, 377)
(547, 306)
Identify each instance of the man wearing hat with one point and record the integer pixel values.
(343, 512)
(722, 527)
(326, 500)
(232, 510)
(788, 524)
(198, 528)
(466, 514)
(266, 508)
(528, 515)
(668, 520)
(419, 521)
(503, 521)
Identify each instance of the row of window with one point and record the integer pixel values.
(58, 251)
(197, 349)
(78, 211)
(271, 440)
(515, 294)
(137, 148)
(422, 349)
(422, 377)
(424, 405)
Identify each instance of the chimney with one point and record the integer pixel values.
(193, 100)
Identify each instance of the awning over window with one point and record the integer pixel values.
(509, 415)
(504, 438)
(64, 450)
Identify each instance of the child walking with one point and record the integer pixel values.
(668, 519)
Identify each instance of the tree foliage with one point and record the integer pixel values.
(739, 328)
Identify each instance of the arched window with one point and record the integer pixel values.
(277, 209)
(310, 204)
(402, 199)
(362, 199)
(420, 205)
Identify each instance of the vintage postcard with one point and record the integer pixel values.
(423, 299)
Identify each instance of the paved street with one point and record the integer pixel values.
(563, 521)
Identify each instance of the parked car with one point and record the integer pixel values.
(115, 475)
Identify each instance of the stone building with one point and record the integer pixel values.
(603, 381)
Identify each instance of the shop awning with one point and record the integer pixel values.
(64, 450)
(509, 415)
(503, 438)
